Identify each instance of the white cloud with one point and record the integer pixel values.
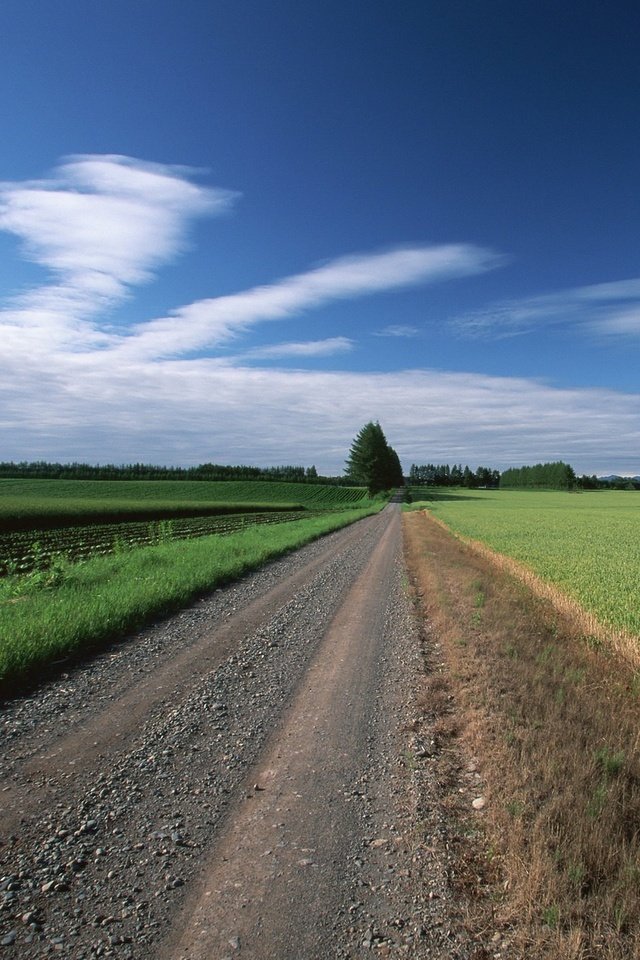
(621, 322)
(398, 330)
(71, 387)
(307, 348)
(211, 322)
(597, 309)
(191, 411)
(98, 226)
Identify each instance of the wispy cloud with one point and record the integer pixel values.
(211, 322)
(398, 330)
(73, 386)
(606, 308)
(187, 411)
(99, 226)
(307, 348)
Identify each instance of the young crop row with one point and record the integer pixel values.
(22, 552)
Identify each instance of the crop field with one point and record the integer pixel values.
(33, 504)
(82, 562)
(26, 550)
(587, 545)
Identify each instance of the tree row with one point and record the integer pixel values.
(443, 475)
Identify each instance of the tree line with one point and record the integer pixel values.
(444, 475)
(608, 483)
(542, 476)
(43, 470)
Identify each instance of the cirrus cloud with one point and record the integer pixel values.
(73, 387)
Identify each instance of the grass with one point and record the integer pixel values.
(68, 610)
(553, 726)
(585, 545)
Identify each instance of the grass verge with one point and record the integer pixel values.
(69, 610)
(550, 723)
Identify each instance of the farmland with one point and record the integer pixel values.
(75, 519)
(34, 504)
(195, 536)
(586, 545)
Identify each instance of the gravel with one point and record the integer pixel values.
(116, 845)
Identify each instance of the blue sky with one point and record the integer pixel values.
(237, 231)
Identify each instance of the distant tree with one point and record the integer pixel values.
(372, 462)
(549, 476)
(443, 475)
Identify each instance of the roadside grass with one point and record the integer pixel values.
(551, 723)
(68, 610)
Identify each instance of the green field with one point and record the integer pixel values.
(34, 504)
(585, 544)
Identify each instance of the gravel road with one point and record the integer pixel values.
(234, 781)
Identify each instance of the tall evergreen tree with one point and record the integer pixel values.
(372, 462)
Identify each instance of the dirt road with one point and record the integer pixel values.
(240, 780)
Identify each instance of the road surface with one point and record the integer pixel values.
(237, 781)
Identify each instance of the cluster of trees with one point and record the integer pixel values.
(372, 463)
(542, 476)
(41, 469)
(442, 475)
(612, 482)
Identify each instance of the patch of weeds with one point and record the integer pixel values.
(593, 642)
(620, 917)
(545, 655)
(479, 599)
(635, 684)
(476, 618)
(515, 808)
(121, 546)
(511, 651)
(597, 802)
(610, 762)
(560, 696)
(55, 573)
(576, 873)
(410, 760)
(551, 915)
(574, 675)
(492, 852)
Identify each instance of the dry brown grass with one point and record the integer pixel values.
(553, 723)
(624, 643)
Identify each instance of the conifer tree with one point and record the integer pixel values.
(372, 462)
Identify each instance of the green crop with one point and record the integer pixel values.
(585, 544)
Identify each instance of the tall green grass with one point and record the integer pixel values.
(71, 609)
